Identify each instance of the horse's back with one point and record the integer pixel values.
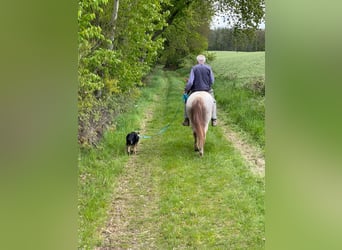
(200, 98)
(204, 95)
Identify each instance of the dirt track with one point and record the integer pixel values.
(135, 197)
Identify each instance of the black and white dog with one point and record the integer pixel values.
(132, 140)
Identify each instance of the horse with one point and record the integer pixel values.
(199, 107)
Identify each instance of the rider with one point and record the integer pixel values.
(201, 79)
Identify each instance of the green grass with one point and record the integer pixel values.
(241, 65)
(214, 202)
(236, 73)
(99, 168)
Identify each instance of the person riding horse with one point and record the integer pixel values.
(201, 79)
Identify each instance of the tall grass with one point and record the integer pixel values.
(240, 91)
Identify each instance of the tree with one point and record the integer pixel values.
(237, 39)
(187, 31)
(188, 26)
(120, 41)
(116, 50)
(113, 22)
(241, 14)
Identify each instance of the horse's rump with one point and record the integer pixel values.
(199, 107)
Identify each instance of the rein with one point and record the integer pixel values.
(163, 129)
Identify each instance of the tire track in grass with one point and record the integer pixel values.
(251, 154)
(135, 198)
(134, 201)
(214, 202)
(169, 198)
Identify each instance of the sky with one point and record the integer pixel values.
(218, 22)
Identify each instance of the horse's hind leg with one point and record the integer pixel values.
(195, 144)
(200, 148)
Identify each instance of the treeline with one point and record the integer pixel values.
(120, 41)
(236, 40)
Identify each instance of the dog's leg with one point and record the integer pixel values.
(135, 149)
(128, 149)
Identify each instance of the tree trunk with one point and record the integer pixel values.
(113, 23)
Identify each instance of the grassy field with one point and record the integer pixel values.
(240, 91)
(239, 65)
(166, 197)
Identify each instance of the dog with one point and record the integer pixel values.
(132, 140)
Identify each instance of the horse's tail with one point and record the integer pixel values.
(198, 117)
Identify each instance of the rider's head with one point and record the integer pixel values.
(201, 59)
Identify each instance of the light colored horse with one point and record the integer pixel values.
(199, 107)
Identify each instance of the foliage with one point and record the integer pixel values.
(114, 56)
(136, 24)
(188, 29)
(90, 81)
(187, 34)
(105, 74)
(241, 14)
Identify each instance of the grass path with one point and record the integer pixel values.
(166, 197)
(134, 200)
(252, 154)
